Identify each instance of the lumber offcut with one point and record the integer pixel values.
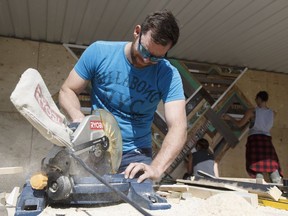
(280, 204)
(10, 170)
(261, 190)
(204, 193)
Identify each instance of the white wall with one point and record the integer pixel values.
(20, 143)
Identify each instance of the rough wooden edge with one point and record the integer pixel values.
(10, 170)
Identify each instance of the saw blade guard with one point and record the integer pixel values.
(101, 129)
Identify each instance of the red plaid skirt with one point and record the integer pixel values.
(261, 156)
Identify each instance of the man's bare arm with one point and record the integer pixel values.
(173, 143)
(68, 95)
(239, 123)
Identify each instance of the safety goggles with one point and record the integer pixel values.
(146, 54)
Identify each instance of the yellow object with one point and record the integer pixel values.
(112, 131)
(38, 181)
(280, 204)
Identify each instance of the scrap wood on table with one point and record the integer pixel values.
(189, 191)
(269, 191)
(10, 170)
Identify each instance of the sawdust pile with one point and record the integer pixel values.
(224, 204)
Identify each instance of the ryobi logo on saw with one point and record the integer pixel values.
(96, 125)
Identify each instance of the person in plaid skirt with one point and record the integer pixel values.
(261, 156)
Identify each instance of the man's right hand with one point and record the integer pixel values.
(148, 171)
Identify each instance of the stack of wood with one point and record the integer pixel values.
(206, 186)
(8, 200)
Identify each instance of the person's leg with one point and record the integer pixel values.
(275, 177)
(259, 178)
(136, 155)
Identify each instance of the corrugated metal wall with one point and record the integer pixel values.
(252, 33)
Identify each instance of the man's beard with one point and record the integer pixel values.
(132, 53)
(137, 60)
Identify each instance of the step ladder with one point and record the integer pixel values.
(204, 112)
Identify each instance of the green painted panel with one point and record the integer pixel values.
(186, 74)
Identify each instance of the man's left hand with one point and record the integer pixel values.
(145, 171)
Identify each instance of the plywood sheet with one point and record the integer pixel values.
(15, 57)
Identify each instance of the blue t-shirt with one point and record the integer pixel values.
(130, 94)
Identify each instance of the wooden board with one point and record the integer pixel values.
(10, 170)
(203, 193)
(3, 198)
(280, 204)
(241, 179)
(174, 187)
(212, 185)
(268, 191)
(221, 127)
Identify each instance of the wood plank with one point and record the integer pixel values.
(163, 193)
(268, 191)
(10, 170)
(174, 197)
(3, 198)
(222, 127)
(280, 204)
(12, 198)
(174, 187)
(212, 185)
(241, 179)
(160, 123)
(204, 193)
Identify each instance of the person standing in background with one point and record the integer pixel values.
(261, 156)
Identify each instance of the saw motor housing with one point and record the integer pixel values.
(96, 142)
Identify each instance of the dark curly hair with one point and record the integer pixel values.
(202, 144)
(163, 26)
(263, 95)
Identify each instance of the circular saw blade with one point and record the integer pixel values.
(112, 131)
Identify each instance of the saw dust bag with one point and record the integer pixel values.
(33, 100)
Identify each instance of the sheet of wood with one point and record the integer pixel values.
(174, 197)
(174, 187)
(13, 196)
(205, 193)
(268, 191)
(3, 198)
(10, 170)
(241, 179)
(220, 186)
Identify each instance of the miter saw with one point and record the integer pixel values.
(82, 170)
